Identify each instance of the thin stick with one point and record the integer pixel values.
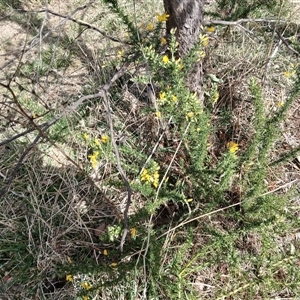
(238, 22)
(79, 22)
(119, 166)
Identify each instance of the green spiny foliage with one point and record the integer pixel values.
(163, 261)
(232, 10)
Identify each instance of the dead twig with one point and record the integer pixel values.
(120, 169)
(240, 21)
(284, 40)
(79, 22)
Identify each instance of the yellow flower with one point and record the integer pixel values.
(178, 63)
(201, 55)
(165, 59)
(150, 27)
(85, 297)
(94, 159)
(133, 232)
(104, 138)
(105, 252)
(210, 29)
(288, 74)
(158, 114)
(204, 39)
(97, 142)
(163, 41)
(151, 176)
(120, 53)
(155, 179)
(86, 285)
(162, 96)
(113, 264)
(86, 136)
(162, 18)
(280, 103)
(69, 277)
(145, 176)
(232, 146)
(190, 114)
(174, 98)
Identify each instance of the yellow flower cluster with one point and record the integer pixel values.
(94, 159)
(104, 139)
(167, 97)
(95, 144)
(233, 147)
(177, 62)
(151, 175)
(86, 286)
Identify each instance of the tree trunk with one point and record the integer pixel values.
(187, 16)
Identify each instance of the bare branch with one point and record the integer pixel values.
(238, 22)
(79, 22)
(42, 134)
(120, 169)
(284, 40)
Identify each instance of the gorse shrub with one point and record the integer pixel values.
(204, 218)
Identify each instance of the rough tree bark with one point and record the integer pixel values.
(187, 16)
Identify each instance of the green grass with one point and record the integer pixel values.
(207, 220)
